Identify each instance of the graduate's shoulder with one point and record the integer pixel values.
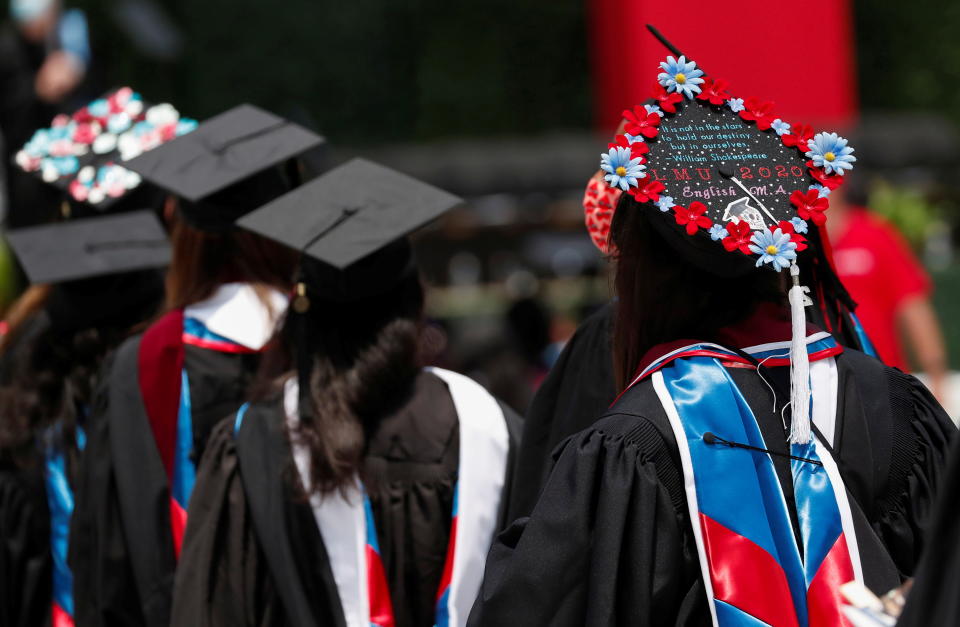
(637, 424)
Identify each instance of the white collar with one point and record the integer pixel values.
(237, 313)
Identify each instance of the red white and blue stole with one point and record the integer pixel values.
(349, 531)
(60, 505)
(165, 388)
(752, 569)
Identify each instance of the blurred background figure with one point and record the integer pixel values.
(44, 61)
(891, 288)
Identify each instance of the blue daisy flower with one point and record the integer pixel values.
(718, 232)
(681, 76)
(774, 248)
(799, 225)
(830, 152)
(665, 203)
(621, 169)
(781, 127)
(65, 165)
(735, 104)
(653, 109)
(822, 190)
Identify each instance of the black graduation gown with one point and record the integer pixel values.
(25, 563)
(121, 547)
(933, 599)
(235, 573)
(609, 542)
(577, 391)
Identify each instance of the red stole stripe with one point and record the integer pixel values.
(160, 363)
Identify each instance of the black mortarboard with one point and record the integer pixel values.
(220, 171)
(91, 247)
(352, 222)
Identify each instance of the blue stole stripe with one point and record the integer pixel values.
(865, 344)
(184, 470)
(814, 493)
(60, 503)
(728, 615)
(238, 421)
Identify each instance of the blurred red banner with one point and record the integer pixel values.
(796, 53)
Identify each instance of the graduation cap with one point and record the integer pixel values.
(91, 247)
(225, 168)
(104, 268)
(724, 173)
(351, 224)
(730, 185)
(83, 153)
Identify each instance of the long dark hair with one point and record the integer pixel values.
(364, 357)
(52, 365)
(662, 296)
(202, 261)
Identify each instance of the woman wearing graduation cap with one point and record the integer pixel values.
(97, 290)
(167, 387)
(358, 488)
(751, 464)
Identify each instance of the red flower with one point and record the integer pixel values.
(798, 136)
(693, 217)
(637, 149)
(667, 102)
(714, 90)
(639, 122)
(85, 133)
(796, 238)
(810, 206)
(82, 116)
(738, 238)
(648, 193)
(831, 181)
(758, 111)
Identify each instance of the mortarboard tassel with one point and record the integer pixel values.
(800, 431)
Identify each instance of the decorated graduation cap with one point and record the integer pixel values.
(85, 153)
(730, 185)
(103, 268)
(225, 168)
(351, 225)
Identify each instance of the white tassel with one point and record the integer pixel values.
(800, 432)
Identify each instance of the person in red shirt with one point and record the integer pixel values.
(890, 286)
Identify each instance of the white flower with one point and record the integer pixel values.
(735, 104)
(781, 127)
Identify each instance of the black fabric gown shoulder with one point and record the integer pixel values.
(253, 554)
(121, 547)
(577, 391)
(609, 542)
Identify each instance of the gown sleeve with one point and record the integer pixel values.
(222, 577)
(922, 433)
(605, 544)
(25, 568)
